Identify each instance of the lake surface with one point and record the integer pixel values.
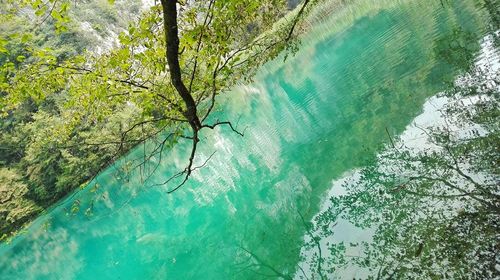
(364, 70)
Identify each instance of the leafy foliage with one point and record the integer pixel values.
(15, 209)
(70, 108)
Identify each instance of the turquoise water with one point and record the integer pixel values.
(364, 69)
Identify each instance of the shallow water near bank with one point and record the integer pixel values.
(324, 112)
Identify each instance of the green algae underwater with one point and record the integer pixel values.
(364, 69)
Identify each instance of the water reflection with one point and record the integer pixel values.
(326, 111)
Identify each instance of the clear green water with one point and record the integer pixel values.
(364, 68)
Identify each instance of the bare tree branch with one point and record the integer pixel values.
(296, 20)
(79, 70)
(212, 126)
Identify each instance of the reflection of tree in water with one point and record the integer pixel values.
(458, 48)
(435, 208)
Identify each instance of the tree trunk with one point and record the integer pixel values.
(172, 54)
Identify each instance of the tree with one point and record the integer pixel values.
(206, 47)
(69, 109)
(15, 209)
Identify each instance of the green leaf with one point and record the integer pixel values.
(26, 37)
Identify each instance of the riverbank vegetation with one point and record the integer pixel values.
(36, 170)
(70, 108)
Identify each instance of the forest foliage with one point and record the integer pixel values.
(78, 90)
(35, 169)
(70, 107)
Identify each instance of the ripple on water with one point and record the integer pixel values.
(367, 67)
